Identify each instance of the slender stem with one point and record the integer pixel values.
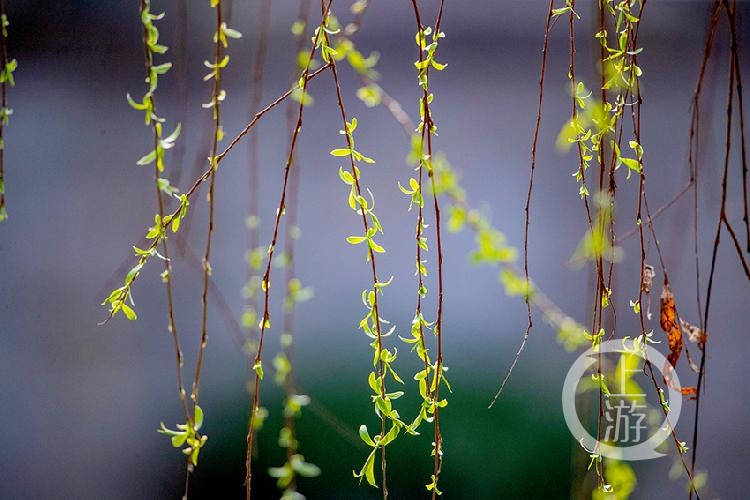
(290, 389)
(427, 126)
(194, 396)
(371, 255)
(145, 6)
(527, 206)
(643, 288)
(3, 120)
(181, 71)
(253, 188)
(722, 217)
(743, 145)
(694, 151)
(265, 320)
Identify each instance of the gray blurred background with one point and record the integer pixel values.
(80, 404)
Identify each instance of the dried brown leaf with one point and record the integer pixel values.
(668, 323)
(694, 334)
(647, 280)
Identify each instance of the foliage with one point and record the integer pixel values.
(7, 67)
(603, 117)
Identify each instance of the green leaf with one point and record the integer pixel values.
(375, 247)
(231, 33)
(172, 137)
(258, 367)
(365, 436)
(369, 95)
(302, 97)
(341, 152)
(404, 190)
(147, 159)
(135, 105)
(355, 240)
(365, 159)
(346, 176)
(302, 468)
(139, 251)
(198, 417)
(298, 28)
(129, 313)
(437, 65)
(374, 382)
(133, 272)
(179, 439)
(368, 470)
(390, 435)
(631, 164)
(162, 68)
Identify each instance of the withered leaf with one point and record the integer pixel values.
(693, 365)
(689, 391)
(647, 281)
(668, 323)
(694, 334)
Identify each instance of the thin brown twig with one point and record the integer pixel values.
(582, 169)
(527, 207)
(145, 6)
(642, 201)
(737, 245)
(290, 389)
(265, 320)
(253, 188)
(199, 160)
(5, 111)
(180, 66)
(659, 211)
(717, 238)
(427, 126)
(420, 240)
(217, 296)
(693, 149)
(216, 106)
(743, 144)
(735, 51)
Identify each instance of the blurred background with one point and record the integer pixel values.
(80, 403)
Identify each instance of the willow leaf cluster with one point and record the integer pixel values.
(7, 67)
(603, 129)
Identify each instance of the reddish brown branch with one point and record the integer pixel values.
(527, 207)
(265, 320)
(211, 204)
(427, 126)
(722, 217)
(253, 188)
(4, 92)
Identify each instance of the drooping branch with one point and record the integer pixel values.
(265, 321)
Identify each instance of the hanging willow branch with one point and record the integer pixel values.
(265, 321)
(7, 67)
